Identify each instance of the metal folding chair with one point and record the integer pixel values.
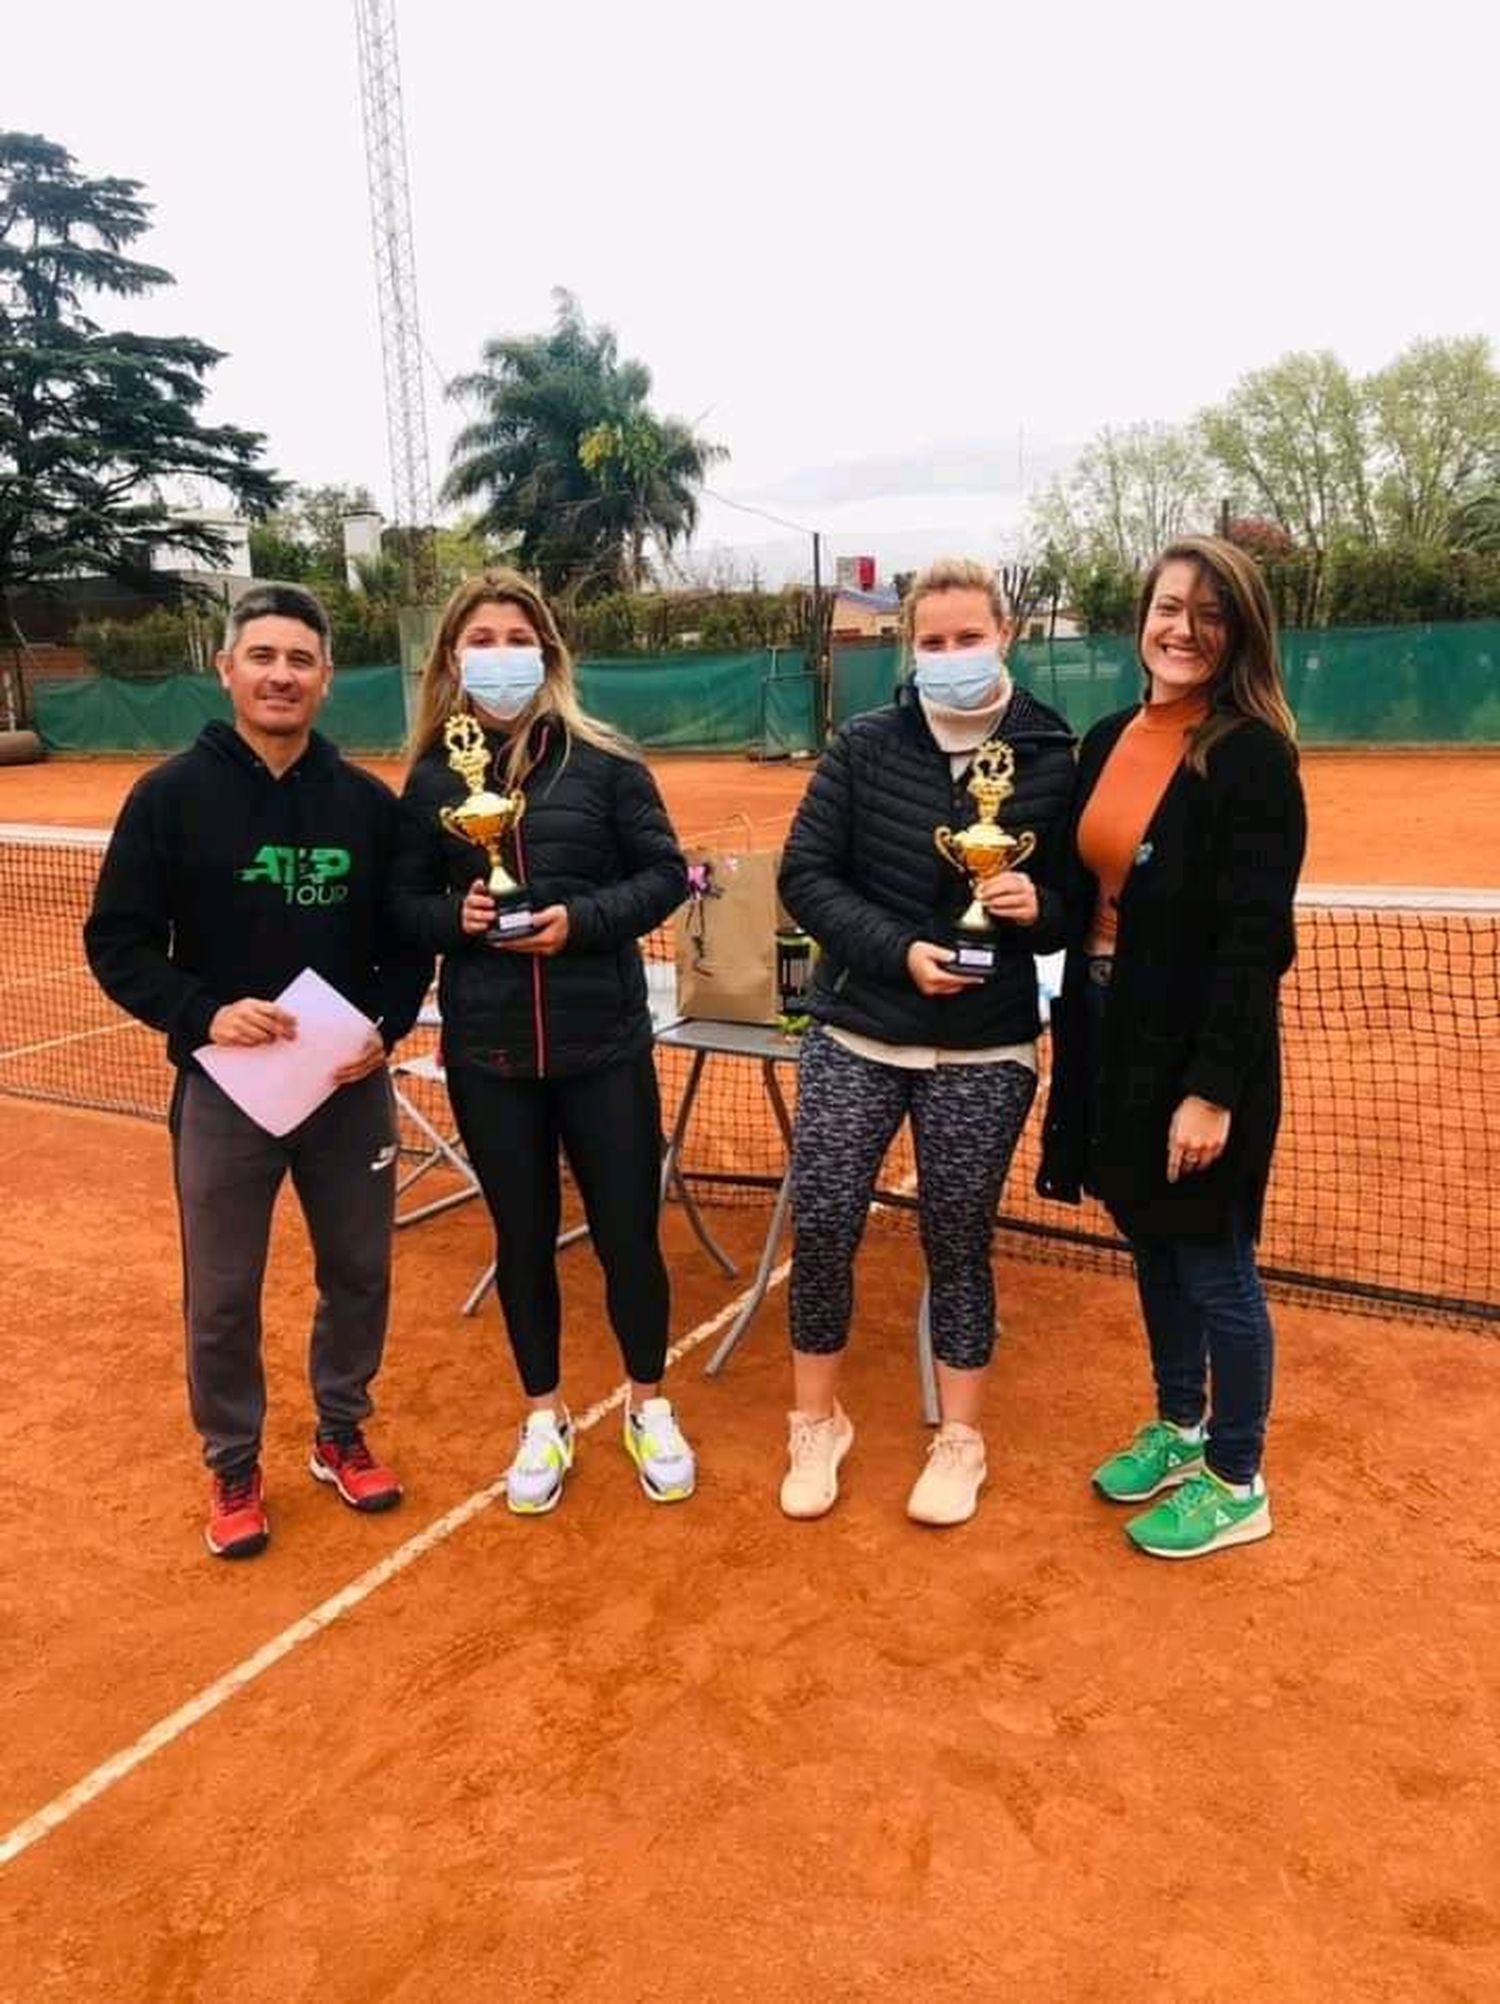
(443, 1151)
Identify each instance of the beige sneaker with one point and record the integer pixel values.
(947, 1490)
(815, 1448)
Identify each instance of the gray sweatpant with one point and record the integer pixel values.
(342, 1161)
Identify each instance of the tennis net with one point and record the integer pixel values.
(1386, 1191)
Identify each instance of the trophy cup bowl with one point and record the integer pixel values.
(485, 818)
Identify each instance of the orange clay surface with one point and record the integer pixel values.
(1376, 818)
(579, 1756)
(625, 1752)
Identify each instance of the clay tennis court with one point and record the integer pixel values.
(628, 1752)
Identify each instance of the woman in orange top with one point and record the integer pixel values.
(1188, 835)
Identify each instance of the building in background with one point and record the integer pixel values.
(865, 613)
(47, 619)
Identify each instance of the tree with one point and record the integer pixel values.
(1103, 595)
(96, 425)
(1435, 430)
(1293, 443)
(1475, 525)
(649, 470)
(303, 540)
(1129, 494)
(464, 551)
(566, 455)
(1291, 574)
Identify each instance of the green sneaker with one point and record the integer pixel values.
(1158, 1458)
(1203, 1516)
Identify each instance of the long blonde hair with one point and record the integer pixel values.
(950, 574)
(442, 693)
(1248, 682)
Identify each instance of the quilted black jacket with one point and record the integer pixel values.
(595, 837)
(862, 874)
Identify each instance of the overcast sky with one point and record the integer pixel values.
(901, 260)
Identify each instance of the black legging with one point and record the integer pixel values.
(609, 1122)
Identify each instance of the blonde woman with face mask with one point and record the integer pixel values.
(900, 1032)
(546, 1036)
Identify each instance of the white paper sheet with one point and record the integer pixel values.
(280, 1084)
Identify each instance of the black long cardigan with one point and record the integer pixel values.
(1205, 934)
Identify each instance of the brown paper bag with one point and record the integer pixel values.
(726, 937)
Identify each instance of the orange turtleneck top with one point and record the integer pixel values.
(1129, 789)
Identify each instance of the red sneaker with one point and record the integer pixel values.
(359, 1478)
(238, 1526)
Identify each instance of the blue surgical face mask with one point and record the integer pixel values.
(964, 679)
(502, 680)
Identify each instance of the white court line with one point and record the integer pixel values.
(73, 1037)
(165, 1731)
(40, 977)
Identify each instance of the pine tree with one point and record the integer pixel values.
(95, 424)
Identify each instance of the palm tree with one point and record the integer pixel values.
(566, 455)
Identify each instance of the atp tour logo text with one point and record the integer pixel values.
(304, 876)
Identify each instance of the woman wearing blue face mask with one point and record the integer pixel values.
(899, 1034)
(547, 1038)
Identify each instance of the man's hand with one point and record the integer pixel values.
(370, 1059)
(931, 968)
(251, 1022)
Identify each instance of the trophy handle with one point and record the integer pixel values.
(946, 847)
(445, 815)
(1025, 846)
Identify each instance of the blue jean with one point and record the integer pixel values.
(1206, 1316)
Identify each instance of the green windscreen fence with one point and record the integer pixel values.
(1084, 679)
(1378, 685)
(364, 712)
(1348, 685)
(1396, 685)
(863, 679)
(690, 702)
(791, 707)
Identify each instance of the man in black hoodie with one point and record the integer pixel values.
(251, 856)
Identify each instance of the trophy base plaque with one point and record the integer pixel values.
(514, 919)
(973, 956)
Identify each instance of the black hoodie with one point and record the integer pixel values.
(222, 881)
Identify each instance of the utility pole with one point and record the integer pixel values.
(395, 280)
(819, 661)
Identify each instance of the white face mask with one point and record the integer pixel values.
(963, 679)
(502, 680)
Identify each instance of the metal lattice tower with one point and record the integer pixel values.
(395, 262)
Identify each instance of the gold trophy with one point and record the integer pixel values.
(981, 851)
(485, 819)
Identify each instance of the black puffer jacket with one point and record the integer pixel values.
(862, 874)
(595, 837)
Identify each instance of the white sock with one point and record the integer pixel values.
(1242, 1491)
(1193, 1434)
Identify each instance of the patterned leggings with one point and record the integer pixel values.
(966, 1120)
